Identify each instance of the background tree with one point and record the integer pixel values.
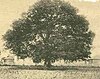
(50, 30)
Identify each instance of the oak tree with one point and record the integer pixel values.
(48, 31)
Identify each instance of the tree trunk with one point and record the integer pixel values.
(47, 63)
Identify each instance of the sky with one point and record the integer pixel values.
(10, 10)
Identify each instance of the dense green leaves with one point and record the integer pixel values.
(50, 30)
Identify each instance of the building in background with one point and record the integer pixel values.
(9, 60)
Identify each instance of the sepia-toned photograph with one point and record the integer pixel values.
(49, 39)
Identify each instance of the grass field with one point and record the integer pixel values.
(81, 73)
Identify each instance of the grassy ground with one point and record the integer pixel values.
(7, 72)
(40, 67)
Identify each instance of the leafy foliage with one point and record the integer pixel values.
(50, 30)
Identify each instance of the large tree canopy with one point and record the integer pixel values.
(50, 30)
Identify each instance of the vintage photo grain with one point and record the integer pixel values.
(49, 39)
